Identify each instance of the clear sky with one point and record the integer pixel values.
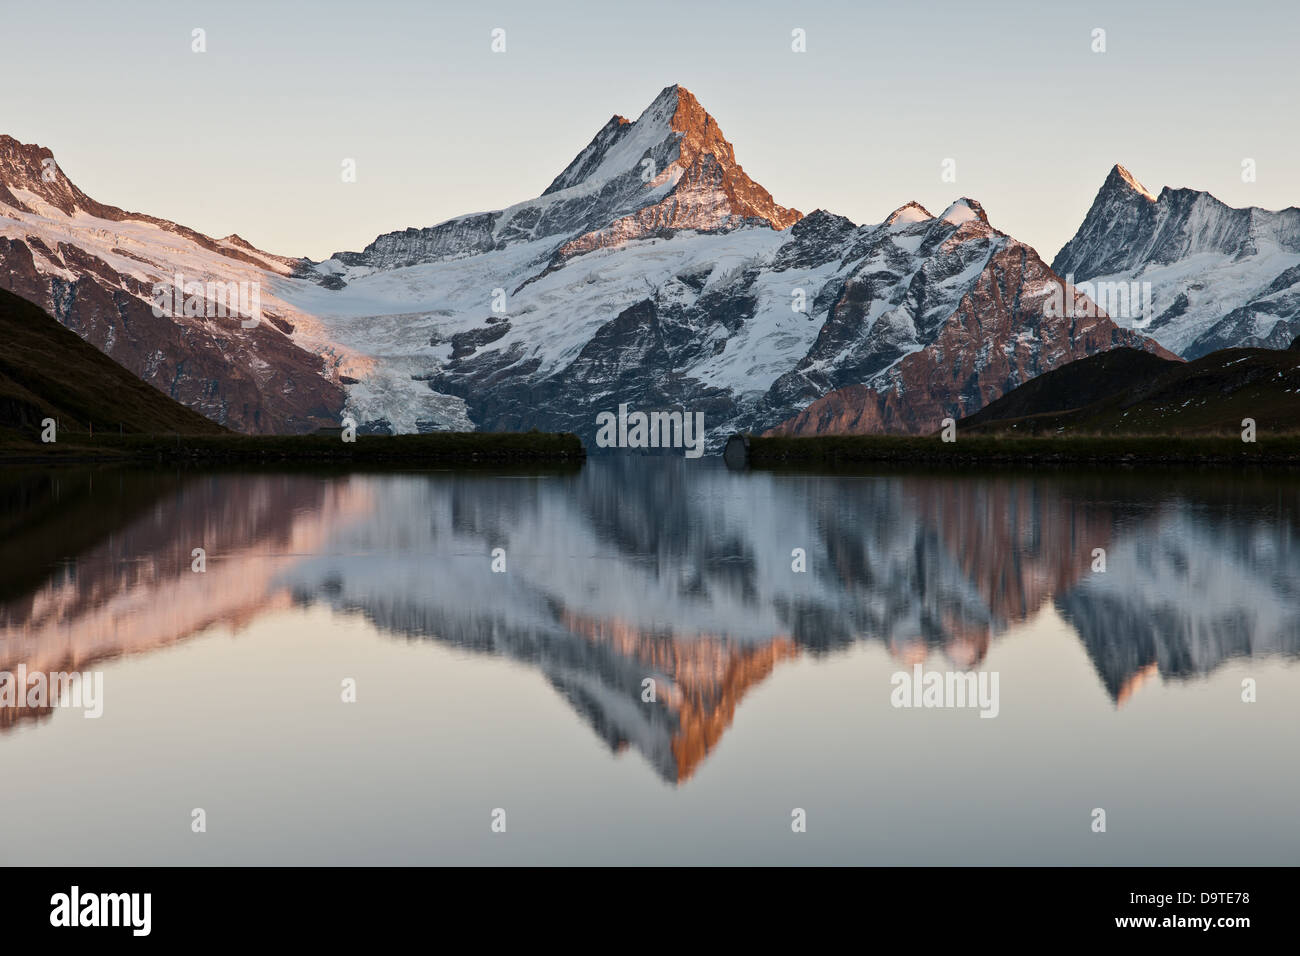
(249, 137)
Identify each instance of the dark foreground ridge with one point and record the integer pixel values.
(1127, 392)
(996, 450)
(47, 371)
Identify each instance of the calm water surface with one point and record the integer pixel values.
(524, 690)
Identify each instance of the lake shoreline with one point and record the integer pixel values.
(438, 448)
(1119, 451)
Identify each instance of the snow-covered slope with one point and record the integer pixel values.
(95, 268)
(1220, 277)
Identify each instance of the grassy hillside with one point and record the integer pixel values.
(49, 371)
(1115, 393)
(1073, 385)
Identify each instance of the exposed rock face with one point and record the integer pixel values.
(587, 163)
(1220, 277)
(1001, 334)
(1123, 208)
(94, 268)
(46, 371)
(467, 236)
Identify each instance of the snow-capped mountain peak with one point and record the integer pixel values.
(963, 211)
(907, 214)
(677, 128)
(33, 185)
(1217, 276)
(671, 169)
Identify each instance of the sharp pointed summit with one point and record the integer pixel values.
(1120, 178)
(683, 173)
(671, 169)
(675, 142)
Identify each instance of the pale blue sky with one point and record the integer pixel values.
(249, 136)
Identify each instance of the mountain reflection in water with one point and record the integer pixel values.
(664, 569)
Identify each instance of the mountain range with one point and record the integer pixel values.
(652, 272)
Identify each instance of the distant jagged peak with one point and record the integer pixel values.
(965, 210)
(1127, 228)
(21, 159)
(14, 154)
(1185, 197)
(33, 184)
(822, 218)
(31, 168)
(907, 214)
(1120, 178)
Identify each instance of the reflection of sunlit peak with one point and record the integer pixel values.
(968, 644)
(703, 677)
(909, 651)
(966, 654)
(1134, 682)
